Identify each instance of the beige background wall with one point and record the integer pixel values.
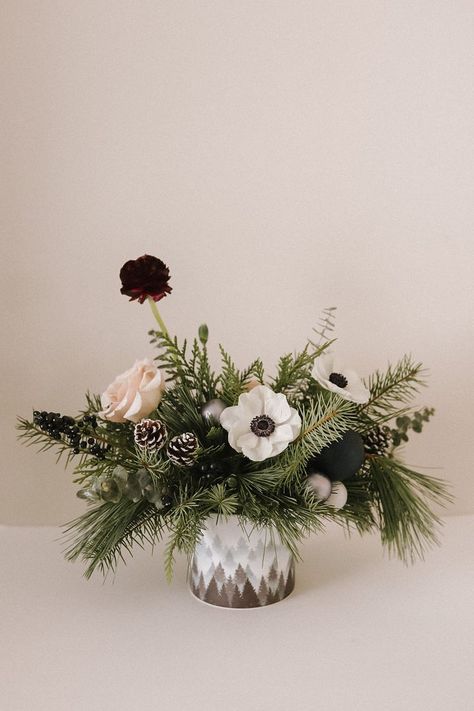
(280, 156)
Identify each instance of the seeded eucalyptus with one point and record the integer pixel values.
(412, 422)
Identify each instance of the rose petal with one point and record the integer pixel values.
(133, 394)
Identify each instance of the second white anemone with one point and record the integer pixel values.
(334, 376)
(262, 425)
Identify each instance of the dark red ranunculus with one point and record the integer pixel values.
(143, 277)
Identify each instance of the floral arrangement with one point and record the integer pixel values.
(171, 442)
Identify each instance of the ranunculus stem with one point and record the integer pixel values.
(157, 315)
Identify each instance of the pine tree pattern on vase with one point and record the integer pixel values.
(239, 567)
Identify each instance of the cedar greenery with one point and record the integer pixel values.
(385, 495)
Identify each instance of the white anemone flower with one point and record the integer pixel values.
(262, 425)
(333, 375)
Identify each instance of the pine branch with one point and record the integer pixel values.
(398, 385)
(33, 436)
(376, 418)
(185, 522)
(257, 480)
(295, 516)
(358, 510)
(218, 500)
(323, 421)
(403, 500)
(94, 404)
(180, 409)
(89, 467)
(169, 559)
(102, 535)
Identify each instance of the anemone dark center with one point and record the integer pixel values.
(262, 426)
(338, 379)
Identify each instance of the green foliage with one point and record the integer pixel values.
(31, 435)
(192, 370)
(403, 501)
(87, 468)
(232, 381)
(358, 511)
(220, 501)
(397, 386)
(292, 370)
(184, 523)
(93, 403)
(104, 534)
(293, 374)
(324, 421)
(180, 409)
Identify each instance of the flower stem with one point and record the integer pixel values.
(157, 315)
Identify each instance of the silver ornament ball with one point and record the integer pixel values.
(338, 496)
(320, 485)
(213, 409)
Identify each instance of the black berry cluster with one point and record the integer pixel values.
(79, 435)
(211, 472)
(167, 503)
(53, 423)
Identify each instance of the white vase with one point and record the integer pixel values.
(238, 566)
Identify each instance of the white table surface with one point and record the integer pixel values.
(359, 632)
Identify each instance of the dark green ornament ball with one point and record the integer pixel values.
(342, 459)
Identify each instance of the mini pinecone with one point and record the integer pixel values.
(378, 440)
(150, 434)
(182, 449)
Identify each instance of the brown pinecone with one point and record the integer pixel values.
(182, 449)
(150, 434)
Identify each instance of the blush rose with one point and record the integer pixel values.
(133, 394)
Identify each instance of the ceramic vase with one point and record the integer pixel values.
(236, 565)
